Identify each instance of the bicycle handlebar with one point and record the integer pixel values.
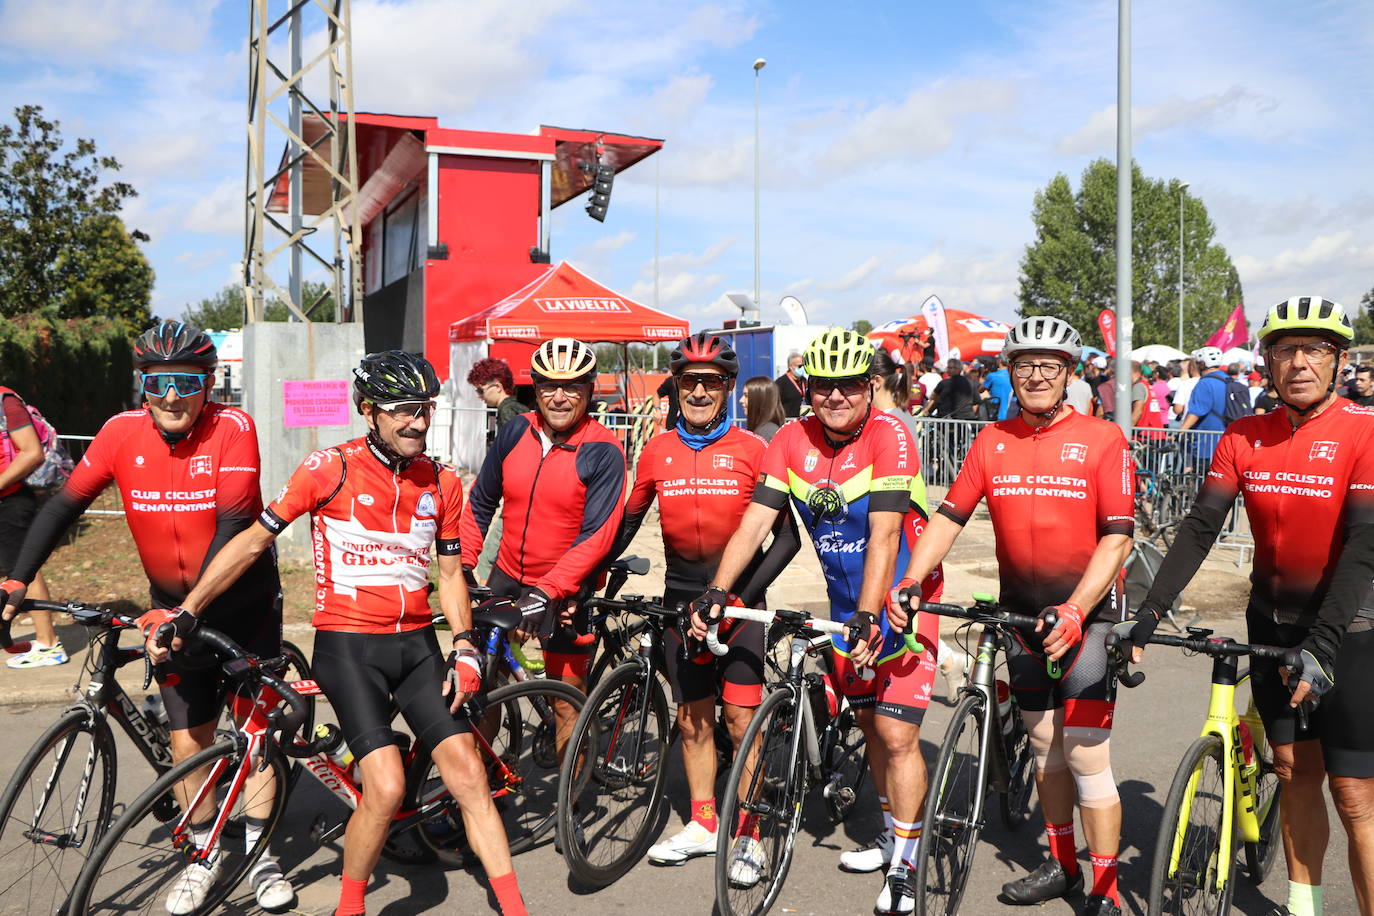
(1216, 647)
(794, 620)
(82, 613)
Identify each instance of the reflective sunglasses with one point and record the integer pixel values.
(687, 382)
(571, 390)
(184, 384)
(847, 387)
(407, 410)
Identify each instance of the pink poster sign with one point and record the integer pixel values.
(323, 402)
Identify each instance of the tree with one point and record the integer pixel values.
(863, 326)
(224, 311)
(1069, 270)
(1363, 320)
(61, 241)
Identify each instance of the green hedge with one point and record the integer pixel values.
(78, 371)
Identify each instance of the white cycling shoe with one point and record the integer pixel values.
(691, 841)
(874, 857)
(746, 862)
(896, 897)
(190, 891)
(270, 887)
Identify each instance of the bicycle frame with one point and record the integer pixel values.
(1240, 781)
(105, 693)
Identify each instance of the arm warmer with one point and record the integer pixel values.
(47, 529)
(629, 527)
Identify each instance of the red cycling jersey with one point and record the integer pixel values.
(560, 503)
(181, 499)
(1302, 488)
(372, 520)
(1053, 493)
(701, 496)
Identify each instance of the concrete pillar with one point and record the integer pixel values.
(277, 351)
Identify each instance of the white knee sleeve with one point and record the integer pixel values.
(1088, 753)
(1046, 737)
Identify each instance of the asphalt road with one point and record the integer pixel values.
(1154, 724)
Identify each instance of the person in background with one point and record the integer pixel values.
(791, 384)
(1159, 387)
(998, 385)
(1079, 393)
(1268, 401)
(20, 456)
(667, 399)
(1234, 370)
(892, 388)
(1256, 383)
(955, 396)
(1182, 387)
(496, 387)
(1362, 388)
(929, 379)
(763, 414)
(1207, 403)
(1143, 412)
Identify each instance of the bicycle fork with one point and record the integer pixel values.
(621, 766)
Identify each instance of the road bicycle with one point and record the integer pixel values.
(140, 856)
(986, 748)
(62, 795)
(1140, 568)
(1225, 786)
(797, 740)
(610, 788)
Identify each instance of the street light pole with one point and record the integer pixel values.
(1182, 192)
(758, 65)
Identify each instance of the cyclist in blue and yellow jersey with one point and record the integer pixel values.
(853, 474)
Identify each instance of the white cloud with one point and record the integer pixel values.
(855, 276)
(86, 29)
(219, 211)
(1099, 133)
(675, 263)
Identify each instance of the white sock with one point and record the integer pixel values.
(887, 815)
(906, 837)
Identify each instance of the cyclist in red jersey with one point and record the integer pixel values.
(703, 473)
(853, 475)
(559, 478)
(1060, 488)
(1307, 475)
(187, 471)
(377, 506)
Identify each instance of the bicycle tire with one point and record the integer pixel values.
(525, 739)
(599, 845)
(37, 866)
(845, 760)
(139, 859)
(775, 789)
(1260, 856)
(956, 788)
(1016, 802)
(1193, 882)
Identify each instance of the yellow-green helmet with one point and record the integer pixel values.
(1307, 315)
(839, 353)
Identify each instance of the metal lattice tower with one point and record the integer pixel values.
(314, 185)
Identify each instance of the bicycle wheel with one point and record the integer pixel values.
(1260, 856)
(1016, 800)
(610, 788)
(138, 862)
(519, 727)
(1189, 861)
(56, 807)
(751, 866)
(944, 856)
(844, 757)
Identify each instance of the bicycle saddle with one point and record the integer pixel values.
(637, 565)
(500, 613)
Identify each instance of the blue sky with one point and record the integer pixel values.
(902, 142)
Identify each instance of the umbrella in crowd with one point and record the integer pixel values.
(970, 336)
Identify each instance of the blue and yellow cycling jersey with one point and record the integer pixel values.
(835, 488)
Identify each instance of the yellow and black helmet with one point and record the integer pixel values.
(1307, 315)
(563, 360)
(839, 353)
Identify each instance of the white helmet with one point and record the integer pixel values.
(1045, 333)
(1208, 357)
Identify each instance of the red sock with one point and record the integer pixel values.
(704, 813)
(1104, 876)
(1063, 847)
(351, 898)
(507, 892)
(748, 825)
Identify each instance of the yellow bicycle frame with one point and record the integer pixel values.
(1240, 781)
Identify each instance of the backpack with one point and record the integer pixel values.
(1237, 401)
(57, 464)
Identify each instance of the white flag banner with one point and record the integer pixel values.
(933, 310)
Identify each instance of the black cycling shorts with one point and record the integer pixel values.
(16, 515)
(561, 654)
(1341, 720)
(1084, 688)
(737, 676)
(192, 683)
(369, 676)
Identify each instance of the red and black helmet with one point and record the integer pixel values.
(173, 343)
(704, 347)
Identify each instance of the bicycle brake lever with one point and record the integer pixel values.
(147, 670)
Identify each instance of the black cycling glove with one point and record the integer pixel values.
(865, 627)
(712, 597)
(1318, 673)
(1145, 623)
(534, 611)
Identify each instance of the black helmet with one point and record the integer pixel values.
(704, 347)
(172, 342)
(392, 377)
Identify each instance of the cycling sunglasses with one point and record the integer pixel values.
(184, 383)
(848, 387)
(687, 382)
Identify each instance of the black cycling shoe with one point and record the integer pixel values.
(1045, 883)
(1098, 905)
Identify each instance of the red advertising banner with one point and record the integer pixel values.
(1106, 321)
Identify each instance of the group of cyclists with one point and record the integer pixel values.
(1058, 486)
